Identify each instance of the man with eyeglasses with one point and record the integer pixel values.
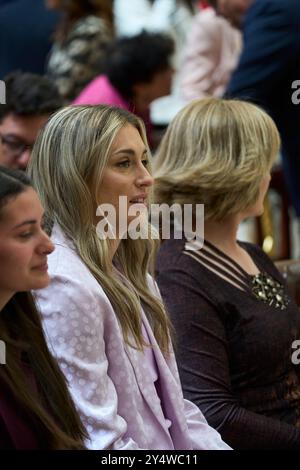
(30, 100)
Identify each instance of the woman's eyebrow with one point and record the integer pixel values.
(26, 222)
(128, 151)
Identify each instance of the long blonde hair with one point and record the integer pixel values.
(215, 152)
(67, 164)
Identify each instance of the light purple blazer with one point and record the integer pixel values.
(111, 383)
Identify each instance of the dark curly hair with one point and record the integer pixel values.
(28, 94)
(132, 60)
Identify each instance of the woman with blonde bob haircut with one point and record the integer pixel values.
(102, 311)
(234, 319)
(216, 152)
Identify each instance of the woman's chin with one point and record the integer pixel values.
(41, 283)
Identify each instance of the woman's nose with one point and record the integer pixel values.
(144, 178)
(46, 246)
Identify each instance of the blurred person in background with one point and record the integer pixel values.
(30, 100)
(172, 17)
(80, 41)
(137, 71)
(268, 67)
(211, 54)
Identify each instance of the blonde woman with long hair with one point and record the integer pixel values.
(102, 311)
(235, 321)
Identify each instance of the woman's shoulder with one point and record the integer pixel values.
(73, 295)
(261, 259)
(176, 260)
(170, 253)
(68, 272)
(255, 250)
(65, 260)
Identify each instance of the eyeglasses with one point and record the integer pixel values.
(15, 147)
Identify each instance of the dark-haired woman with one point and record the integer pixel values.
(36, 410)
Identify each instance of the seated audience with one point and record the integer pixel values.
(30, 100)
(137, 71)
(36, 410)
(235, 321)
(80, 42)
(102, 311)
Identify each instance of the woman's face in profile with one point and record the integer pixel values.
(126, 175)
(23, 245)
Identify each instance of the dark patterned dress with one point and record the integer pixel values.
(234, 343)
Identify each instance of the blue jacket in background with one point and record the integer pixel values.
(26, 27)
(269, 64)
